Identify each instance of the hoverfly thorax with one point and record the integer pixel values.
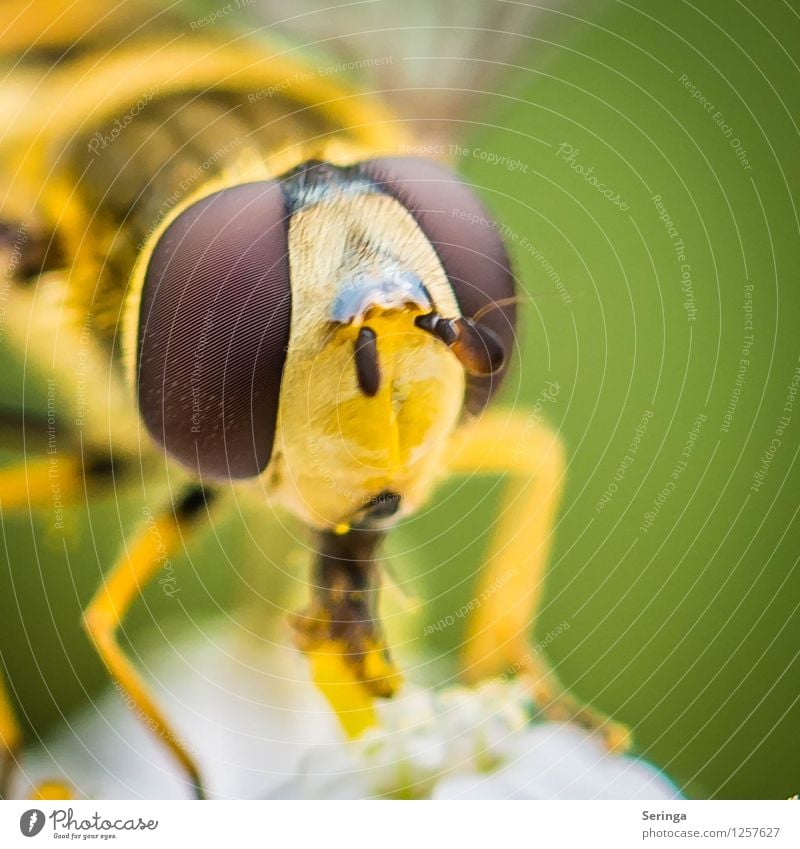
(329, 326)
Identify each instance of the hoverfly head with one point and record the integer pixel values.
(234, 285)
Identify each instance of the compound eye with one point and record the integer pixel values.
(213, 331)
(465, 237)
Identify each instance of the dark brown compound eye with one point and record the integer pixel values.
(214, 329)
(468, 244)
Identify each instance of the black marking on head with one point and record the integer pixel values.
(315, 181)
(214, 329)
(469, 247)
(368, 369)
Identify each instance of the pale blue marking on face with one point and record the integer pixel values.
(392, 288)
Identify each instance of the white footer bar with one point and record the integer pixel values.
(401, 825)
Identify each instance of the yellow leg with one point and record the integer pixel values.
(49, 480)
(10, 739)
(10, 744)
(31, 485)
(510, 588)
(103, 616)
(38, 482)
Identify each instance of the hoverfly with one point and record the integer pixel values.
(276, 299)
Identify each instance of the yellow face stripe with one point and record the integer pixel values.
(336, 447)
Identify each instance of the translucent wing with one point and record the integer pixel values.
(436, 63)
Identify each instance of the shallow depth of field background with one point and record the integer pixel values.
(684, 624)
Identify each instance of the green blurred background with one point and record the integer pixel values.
(686, 625)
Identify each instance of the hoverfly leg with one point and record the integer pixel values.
(10, 745)
(10, 740)
(27, 486)
(145, 555)
(498, 638)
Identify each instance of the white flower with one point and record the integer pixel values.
(474, 744)
(259, 729)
